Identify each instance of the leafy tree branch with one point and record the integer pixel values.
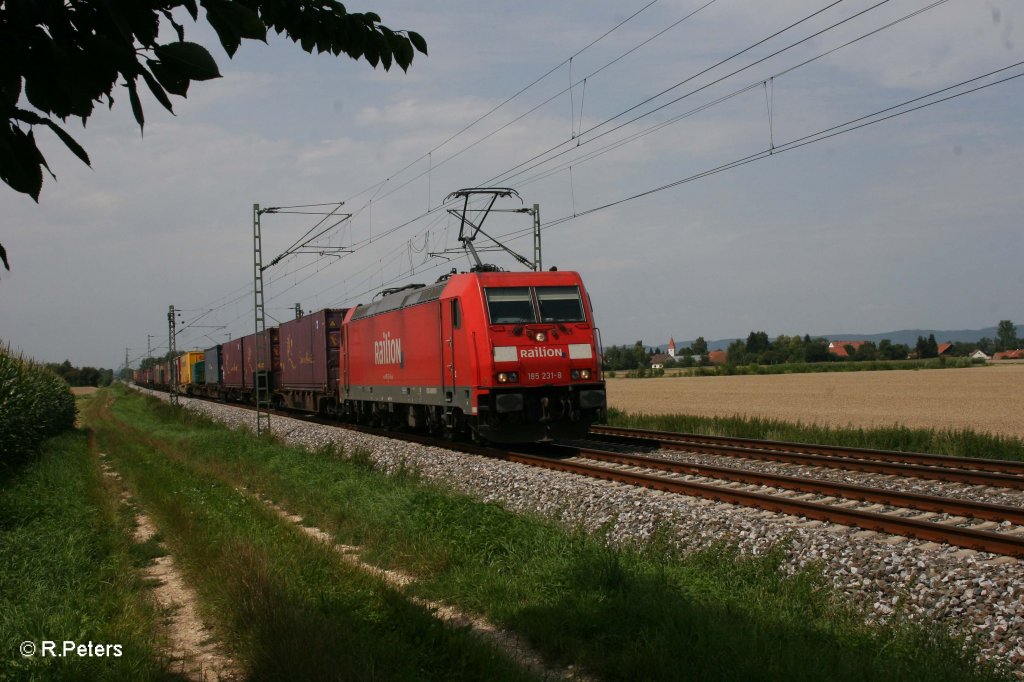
(61, 58)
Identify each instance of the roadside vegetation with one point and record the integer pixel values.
(952, 442)
(290, 608)
(34, 404)
(67, 570)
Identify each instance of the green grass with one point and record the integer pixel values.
(641, 613)
(67, 570)
(952, 442)
(285, 604)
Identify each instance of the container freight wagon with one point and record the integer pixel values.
(507, 356)
(184, 367)
(238, 366)
(212, 374)
(310, 360)
(269, 357)
(160, 376)
(232, 374)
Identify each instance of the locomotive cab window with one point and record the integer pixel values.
(456, 313)
(510, 305)
(560, 304)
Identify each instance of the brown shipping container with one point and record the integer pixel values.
(311, 351)
(271, 360)
(231, 357)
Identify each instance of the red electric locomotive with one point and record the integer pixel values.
(506, 356)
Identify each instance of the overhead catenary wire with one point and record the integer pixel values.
(635, 136)
(379, 188)
(819, 136)
(747, 49)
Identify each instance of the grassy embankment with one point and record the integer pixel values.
(284, 604)
(287, 606)
(952, 442)
(67, 570)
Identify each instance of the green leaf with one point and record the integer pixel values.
(369, 49)
(69, 142)
(3, 257)
(178, 28)
(156, 88)
(26, 116)
(234, 21)
(406, 56)
(20, 162)
(190, 60)
(248, 22)
(384, 49)
(133, 95)
(10, 87)
(417, 41)
(230, 40)
(170, 78)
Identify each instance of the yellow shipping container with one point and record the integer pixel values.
(186, 361)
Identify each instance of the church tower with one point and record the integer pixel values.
(671, 347)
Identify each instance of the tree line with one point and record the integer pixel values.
(638, 356)
(81, 376)
(759, 349)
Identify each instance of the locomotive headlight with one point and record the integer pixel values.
(584, 374)
(540, 337)
(508, 377)
(577, 374)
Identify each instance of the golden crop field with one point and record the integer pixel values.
(986, 399)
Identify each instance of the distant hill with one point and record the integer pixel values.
(907, 336)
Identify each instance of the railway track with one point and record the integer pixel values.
(932, 518)
(989, 472)
(994, 528)
(966, 524)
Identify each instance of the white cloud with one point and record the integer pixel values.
(859, 232)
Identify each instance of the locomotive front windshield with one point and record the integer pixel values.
(524, 305)
(510, 305)
(560, 304)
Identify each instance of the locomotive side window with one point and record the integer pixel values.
(510, 305)
(560, 304)
(456, 313)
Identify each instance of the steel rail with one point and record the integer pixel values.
(979, 540)
(973, 463)
(930, 503)
(953, 474)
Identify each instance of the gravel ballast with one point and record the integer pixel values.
(975, 593)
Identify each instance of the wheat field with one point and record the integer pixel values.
(985, 399)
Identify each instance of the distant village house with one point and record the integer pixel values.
(838, 348)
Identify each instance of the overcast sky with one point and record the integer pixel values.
(913, 222)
